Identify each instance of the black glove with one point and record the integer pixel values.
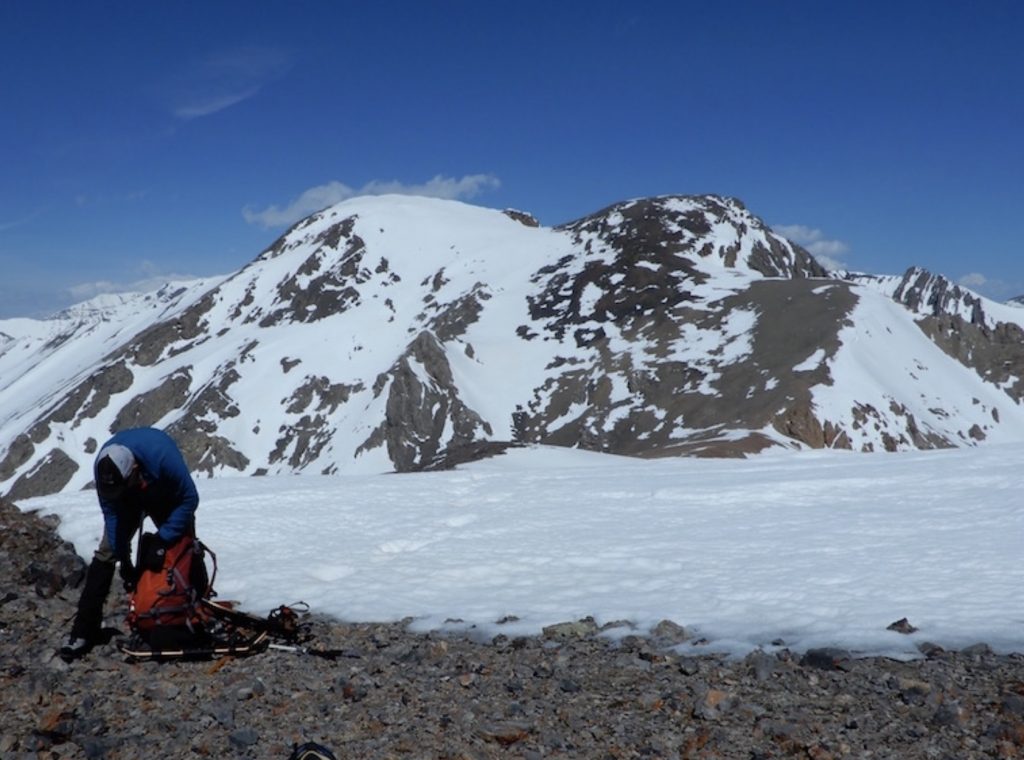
(128, 575)
(153, 552)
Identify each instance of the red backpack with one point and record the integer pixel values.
(169, 598)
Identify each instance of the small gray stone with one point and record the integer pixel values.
(762, 664)
(901, 626)
(571, 630)
(951, 713)
(1013, 704)
(569, 686)
(689, 666)
(670, 633)
(222, 711)
(977, 650)
(243, 737)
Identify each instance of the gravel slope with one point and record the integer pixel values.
(388, 692)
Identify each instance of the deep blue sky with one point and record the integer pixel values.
(142, 140)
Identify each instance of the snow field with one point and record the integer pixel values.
(810, 548)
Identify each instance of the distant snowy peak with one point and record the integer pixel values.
(95, 326)
(109, 308)
(114, 305)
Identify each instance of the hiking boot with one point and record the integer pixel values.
(85, 632)
(75, 647)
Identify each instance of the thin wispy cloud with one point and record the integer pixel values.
(15, 223)
(221, 81)
(214, 104)
(86, 200)
(828, 252)
(316, 198)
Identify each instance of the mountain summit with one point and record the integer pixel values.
(396, 333)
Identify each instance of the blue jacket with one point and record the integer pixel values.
(168, 495)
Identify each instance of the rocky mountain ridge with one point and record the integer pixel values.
(398, 333)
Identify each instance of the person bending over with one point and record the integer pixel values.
(138, 473)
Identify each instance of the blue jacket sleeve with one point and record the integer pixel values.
(174, 475)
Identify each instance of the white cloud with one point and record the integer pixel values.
(827, 252)
(322, 196)
(991, 287)
(220, 81)
(973, 280)
(86, 290)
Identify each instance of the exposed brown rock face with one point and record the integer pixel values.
(755, 391)
(416, 412)
(50, 475)
(522, 217)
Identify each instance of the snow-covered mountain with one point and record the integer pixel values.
(402, 333)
